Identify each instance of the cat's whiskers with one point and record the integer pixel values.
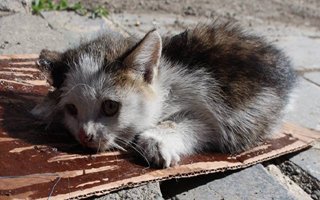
(137, 148)
(118, 147)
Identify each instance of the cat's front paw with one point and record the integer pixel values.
(157, 150)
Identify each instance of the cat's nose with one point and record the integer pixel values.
(84, 137)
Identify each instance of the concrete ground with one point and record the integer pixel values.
(291, 177)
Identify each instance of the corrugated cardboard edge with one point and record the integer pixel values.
(305, 136)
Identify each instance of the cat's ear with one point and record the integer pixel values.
(52, 66)
(145, 57)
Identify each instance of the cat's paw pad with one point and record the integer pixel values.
(158, 152)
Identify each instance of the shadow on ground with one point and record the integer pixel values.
(19, 123)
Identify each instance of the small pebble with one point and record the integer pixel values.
(137, 23)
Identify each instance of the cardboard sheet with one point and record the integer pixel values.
(36, 162)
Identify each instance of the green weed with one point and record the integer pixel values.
(48, 5)
(99, 12)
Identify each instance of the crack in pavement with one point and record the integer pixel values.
(49, 25)
(307, 182)
(311, 81)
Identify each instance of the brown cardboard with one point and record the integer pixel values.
(36, 162)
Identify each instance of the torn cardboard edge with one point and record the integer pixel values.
(305, 138)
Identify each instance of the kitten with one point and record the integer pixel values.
(210, 88)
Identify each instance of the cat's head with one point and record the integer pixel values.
(107, 88)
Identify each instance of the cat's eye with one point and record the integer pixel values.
(71, 109)
(110, 108)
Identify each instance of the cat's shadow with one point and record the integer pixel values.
(18, 122)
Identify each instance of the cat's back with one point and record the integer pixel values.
(236, 59)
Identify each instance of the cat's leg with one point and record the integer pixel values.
(164, 145)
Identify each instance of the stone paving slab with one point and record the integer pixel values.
(76, 28)
(15, 6)
(306, 106)
(303, 51)
(24, 33)
(251, 183)
(309, 161)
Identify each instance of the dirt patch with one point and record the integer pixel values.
(289, 12)
(308, 183)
